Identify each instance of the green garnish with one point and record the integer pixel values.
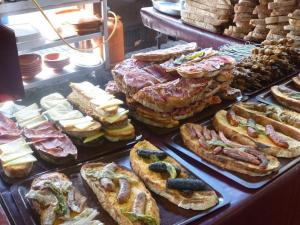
(61, 208)
(106, 174)
(259, 131)
(92, 138)
(171, 169)
(134, 217)
(295, 95)
(217, 143)
(190, 57)
(154, 158)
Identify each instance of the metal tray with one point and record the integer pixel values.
(85, 153)
(284, 78)
(169, 213)
(176, 143)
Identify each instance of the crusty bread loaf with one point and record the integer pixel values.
(285, 99)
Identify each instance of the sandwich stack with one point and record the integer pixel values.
(243, 14)
(210, 15)
(165, 86)
(104, 107)
(294, 27)
(260, 31)
(279, 18)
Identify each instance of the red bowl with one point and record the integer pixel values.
(30, 60)
(56, 60)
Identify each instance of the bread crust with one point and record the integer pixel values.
(296, 81)
(18, 171)
(263, 143)
(198, 201)
(285, 100)
(224, 161)
(108, 200)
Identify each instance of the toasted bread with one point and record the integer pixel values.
(118, 134)
(200, 200)
(296, 81)
(18, 171)
(108, 200)
(263, 143)
(263, 119)
(284, 99)
(224, 161)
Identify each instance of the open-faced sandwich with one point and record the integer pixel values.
(104, 107)
(82, 128)
(217, 149)
(58, 202)
(282, 119)
(16, 158)
(166, 177)
(8, 130)
(121, 193)
(287, 97)
(248, 131)
(296, 81)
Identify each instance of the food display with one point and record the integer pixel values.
(296, 81)
(279, 18)
(210, 15)
(166, 177)
(267, 64)
(287, 97)
(162, 94)
(103, 106)
(71, 121)
(260, 31)
(121, 193)
(216, 148)
(243, 13)
(246, 130)
(56, 201)
(16, 158)
(294, 27)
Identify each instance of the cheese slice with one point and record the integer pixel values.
(83, 126)
(111, 119)
(54, 100)
(106, 104)
(22, 160)
(74, 122)
(57, 115)
(122, 131)
(14, 146)
(9, 157)
(32, 122)
(26, 110)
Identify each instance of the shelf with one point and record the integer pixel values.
(14, 8)
(41, 43)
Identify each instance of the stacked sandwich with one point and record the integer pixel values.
(104, 107)
(243, 14)
(279, 18)
(210, 15)
(260, 31)
(165, 86)
(294, 27)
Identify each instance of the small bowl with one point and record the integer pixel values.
(57, 61)
(30, 65)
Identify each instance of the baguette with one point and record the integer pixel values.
(284, 99)
(263, 143)
(296, 81)
(223, 160)
(110, 199)
(199, 200)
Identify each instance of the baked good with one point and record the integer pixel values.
(294, 27)
(151, 164)
(296, 81)
(248, 132)
(218, 150)
(72, 122)
(286, 97)
(16, 158)
(57, 201)
(121, 193)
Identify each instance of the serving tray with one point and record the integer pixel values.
(169, 213)
(176, 143)
(85, 153)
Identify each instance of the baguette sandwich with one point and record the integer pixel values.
(58, 202)
(287, 97)
(166, 177)
(121, 193)
(249, 132)
(217, 149)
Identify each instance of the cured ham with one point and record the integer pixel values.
(8, 130)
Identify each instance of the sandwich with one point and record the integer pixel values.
(82, 128)
(248, 131)
(8, 130)
(16, 158)
(165, 54)
(296, 81)
(166, 177)
(287, 97)
(282, 119)
(217, 149)
(98, 104)
(50, 143)
(57, 201)
(121, 193)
